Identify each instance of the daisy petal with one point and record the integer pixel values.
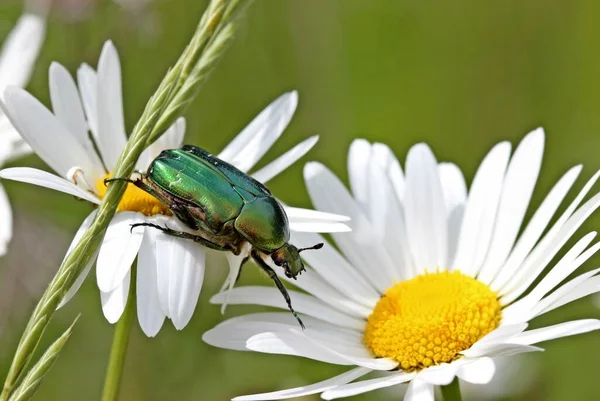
(303, 303)
(557, 331)
(67, 107)
(307, 390)
(480, 211)
(383, 155)
(119, 248)
(88, 84)
(79, 281)
(47, 180)
(479, 371)
(440, 375)
(61, 150)
(111, 125)
(6, 221)
(256, 139)
(453, 185)
(306, 220)
(535, 263)
(559, 297)
(498, 349)
(285, 160)
(358, 167)
(520, 179)
(359, 246)
(185, 261)
(114, 302)
(363, 386)
(150, 315)
(20, 50)
(536, 227)
(426, 221)
(418, 390)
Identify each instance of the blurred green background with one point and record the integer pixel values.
(459, 75)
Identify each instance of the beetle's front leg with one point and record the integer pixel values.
(278, 283)
(182, 234)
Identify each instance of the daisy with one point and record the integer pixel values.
(17, 57)
(430, 284)
(89, 116)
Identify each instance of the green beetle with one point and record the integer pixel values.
(225, 208)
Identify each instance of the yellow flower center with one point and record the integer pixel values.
(135, 200)
(431, 318)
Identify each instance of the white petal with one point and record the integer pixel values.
(6, 221)
(502, 334)
(114, 302)
(257, 138)
(79, 280)
(455, 197)
(563, 268)
(440, 375)
(359, 246)
(557, 331)
(67, 107)
(171, 139)
(383, 155)
(47, 180)
(498, 349)
(336, 270)
(419, 390)
(20, 50)
(118, 250)
(520, 179)
(111, 125)
(453, 185)
(359, 156)
(298, 344)
(285, 160)
(88, 85)
(536, 227)
(364, 386)
(479, 371)
(480, 211)
(186, 262)
(150, 315)
(48, 137)
(426, 221)
(307, 390)
(235, 332)
(536, 262)
(307, 220)
(302, 303)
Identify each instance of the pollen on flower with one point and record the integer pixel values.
(431, 318)
(135, 200)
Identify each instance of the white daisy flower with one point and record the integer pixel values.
(89, 116)
(17, 57)
(429, 284)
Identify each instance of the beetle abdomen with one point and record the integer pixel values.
(197, 184)
(264, 224)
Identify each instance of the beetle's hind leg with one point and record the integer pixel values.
(278, 283)
(182, 234)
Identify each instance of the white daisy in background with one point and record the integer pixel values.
(429, 284)
(17, 58)
(170, 271)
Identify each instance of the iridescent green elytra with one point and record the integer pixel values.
(225, 208)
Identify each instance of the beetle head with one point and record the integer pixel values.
(288, 257)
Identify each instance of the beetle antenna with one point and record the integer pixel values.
(317, 246)
(109, 180)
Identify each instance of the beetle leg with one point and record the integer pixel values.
(182, 234)
(261, 263)
(184, 215)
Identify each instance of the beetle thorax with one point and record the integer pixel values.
(135, 200)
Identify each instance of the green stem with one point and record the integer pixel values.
(114, 372)
(451, 392)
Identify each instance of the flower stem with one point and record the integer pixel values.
(451, 392)
(118, 351)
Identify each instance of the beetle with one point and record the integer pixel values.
(225, 208)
